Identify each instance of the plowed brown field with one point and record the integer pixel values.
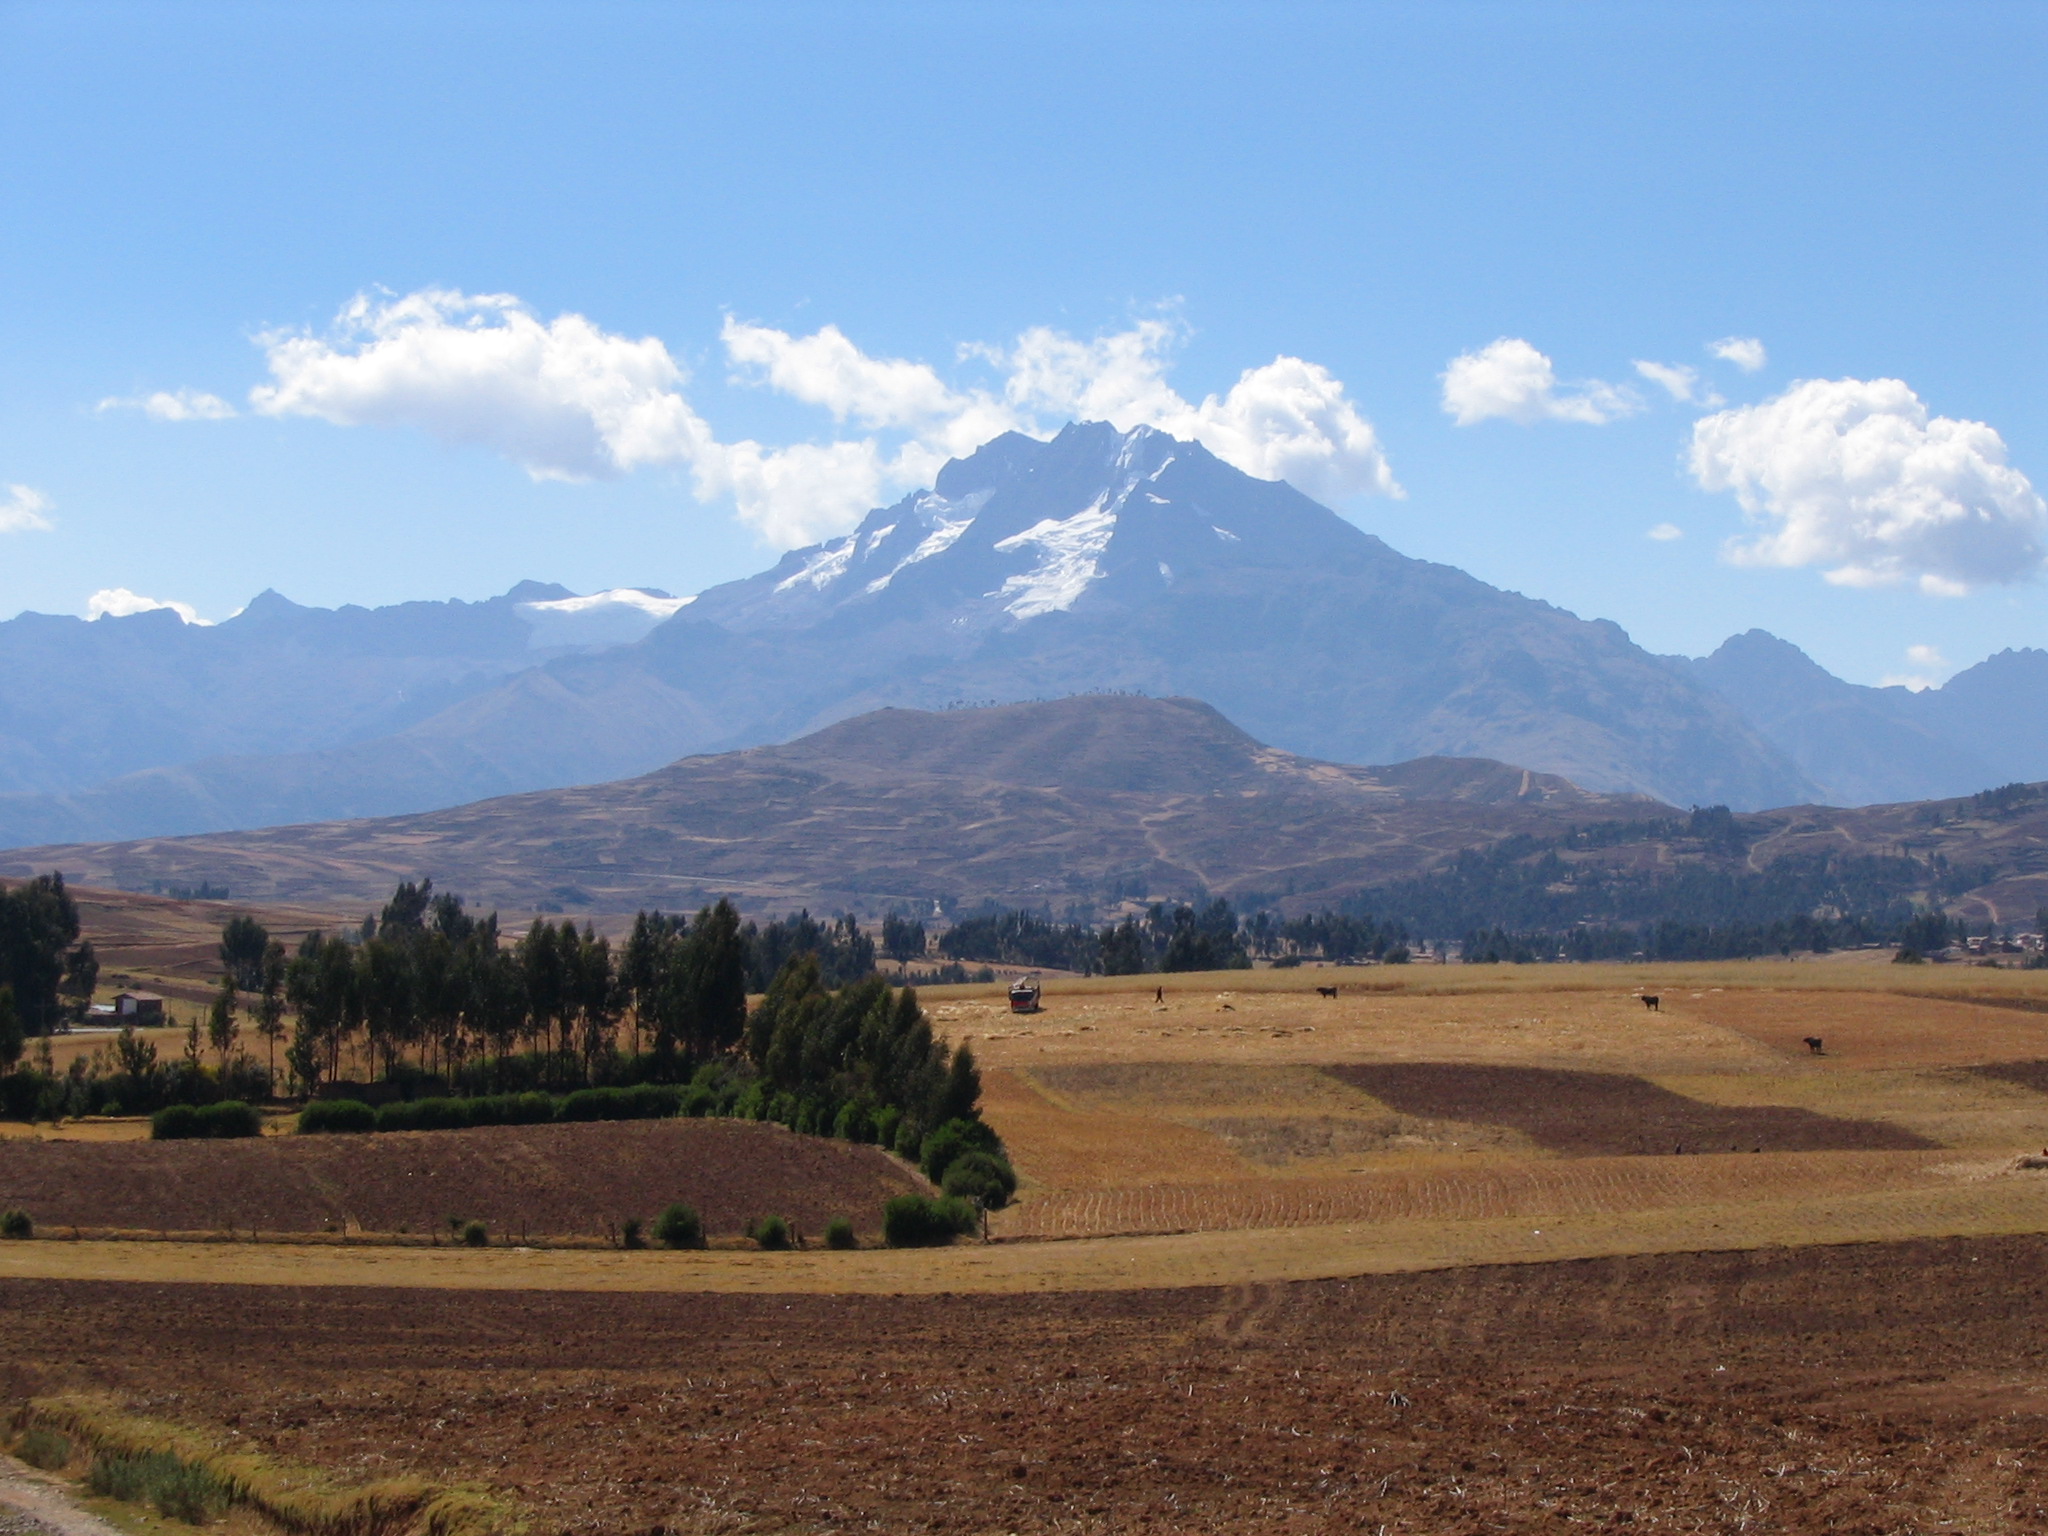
(1585, 1113)
(543, 1180)
(1876, 1389)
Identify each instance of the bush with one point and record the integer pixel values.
(45, 1448)
(175, 1122)
(918, 1221)
(853, 1122)
(424, 1115)
(16, 1224)
(475, 1234)
(887, 1118)
(1908, 955)
(981, 1177)
(679, 1227)
(334, 1116)
(839, 1234)
(954, 1139)
(629, 1233)
(228, 1120)
(771, 1232)
(177, 1489)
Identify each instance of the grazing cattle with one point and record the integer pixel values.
(1813, 1044)
(1650, 1002)
(1326, 991)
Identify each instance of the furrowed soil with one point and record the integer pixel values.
(1587, 1113)
(1867, 1389)
(540, 1180)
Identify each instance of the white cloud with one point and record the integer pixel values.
(566, 400)
(563, 400)
(173, 405)
(1510, 379)
(22, 510)
(119, 603)
(1745, 352)
(1679, 382)
(1664, 533)
(1853, 475)
(1926, 657)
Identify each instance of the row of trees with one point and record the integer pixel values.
(429, 986)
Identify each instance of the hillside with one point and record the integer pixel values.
(1077, 801)
(1096, 561)
(1987, 725)
(146, 724)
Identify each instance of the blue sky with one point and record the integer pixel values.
(192, 194)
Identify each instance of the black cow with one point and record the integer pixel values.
(1326, 991)
(1650, 1002)
(1813, 1045)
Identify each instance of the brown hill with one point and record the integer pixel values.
(1077, 801)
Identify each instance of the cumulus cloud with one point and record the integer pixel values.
(1679, 382)
(562, 399)
(567, 400)
(173, 405)
(1664, 533)
(1854, 476)
(1745, 352)
(1510, 379)
(22, 510)
(119, 602)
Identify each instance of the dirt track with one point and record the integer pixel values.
(542, 1179)
(1868, 1389)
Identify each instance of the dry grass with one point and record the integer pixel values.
(1971, 1200)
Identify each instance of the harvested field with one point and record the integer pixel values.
(541, 1180)
(1881, 1388)
(1591, 1113)
(1479, 1190)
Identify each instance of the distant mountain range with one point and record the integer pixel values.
(1081, 804)
(1096, 561)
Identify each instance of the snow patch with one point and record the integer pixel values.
(1166, 573)
(947, 521)
(1225, 535)
(617, 617)
(823, 568)
(1069, 549)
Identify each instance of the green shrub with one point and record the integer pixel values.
(629, 1233)
(647, 1101)
(952, 1140)
(228, 1120)
(44, 1447)
(771, 1232)
(887, 1118)
(333, 1116)
(839, 1233)
(424, 1115)
(853, 1123)
(15, 1223)
(698, 1101)
(177, 1489)
(679, 1227)
(908, 1138)
(982, 1177)
(918, 1221)
(175, 1122)
(475, 1234)
(1908, 955)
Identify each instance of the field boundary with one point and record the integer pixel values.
(1994, 1205)
(297, 1499)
